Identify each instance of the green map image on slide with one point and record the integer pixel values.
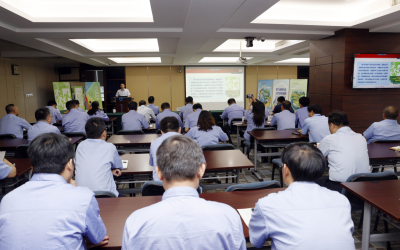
(265, 96)
(93, 93)
(294, 98)
(395, 72)
(232, 86)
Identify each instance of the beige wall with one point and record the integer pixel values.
(35, 76)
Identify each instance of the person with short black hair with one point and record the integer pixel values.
(302, 112)
(191, 119)
(231, 112)
(52, 106)
(49, 211)
(166, 112)
(123, 92)
(43, 124)
(316, 125)
(75, 120)
(133, 120)
(278, 107)
(206, 132)
(285, 119)
(146, 111)
(346, 151)
(77, 103)
(182, 220)
(152, 106)
(93, 171)
(95, 111)
(12, 124)
(187, 109)
(300, 213)
(388, 129)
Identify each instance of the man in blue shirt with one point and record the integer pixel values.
(316, 125)
(231, 112)
(304, 216)
(166, 112)
(77, 105)
(52, 106)
(12, 124)
(182, 220)
(91, 170)
(302, 112)
(49, 211)
(43, 124)
(285, 118)
(191, 119)
(152, 106)
(187, 109)
(133, 120)
(278, 108)
(388, 129)
(75, 120)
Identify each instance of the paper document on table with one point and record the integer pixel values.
(246, 213)
(396, 148)
(2, 154)
(125, 164)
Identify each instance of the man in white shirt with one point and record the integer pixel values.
(123, 91)
(346, 151)
(147, 112)
(305, 216)
(316, 125)
(285, 119)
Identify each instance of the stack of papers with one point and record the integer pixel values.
(396, 148)
(2, 154)
(246, 213)
(125, 164)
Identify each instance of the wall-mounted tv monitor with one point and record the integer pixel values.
(372, 71)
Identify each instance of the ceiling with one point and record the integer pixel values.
(186, 30)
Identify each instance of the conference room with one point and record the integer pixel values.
(197, 124)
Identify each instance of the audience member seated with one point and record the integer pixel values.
(187, 109)
(77, 105)
(96, 160)
(278, 108)
(182, 220)
(147, 112)
(255, 117)
(317, 125)
(166, 112)
(152, 106)
(388, 129)
(49, 211)
(206, 132)
(133, 120)
(231, 112)
(191, 119)
(305, 215)
(75, 120)
(43, 124)
(95, 111)
(346, 151)
(7, 170)
(12, 124)
(302, 113)
(285, 118)
(52, 106)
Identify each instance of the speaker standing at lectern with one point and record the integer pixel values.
(123, 91)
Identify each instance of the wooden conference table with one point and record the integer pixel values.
(133, 140)
(23, 166)
(115, 211)
(11, 144)
(239, 125)
(382, 151)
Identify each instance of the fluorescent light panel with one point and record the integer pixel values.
(81, 10)
(233, 45)
(221, 59)
(136, 59)
(295, 60)
(119, 45)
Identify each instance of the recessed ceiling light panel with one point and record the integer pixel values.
(221, 59)
(119, 45)
(295, 60)
(136, 59)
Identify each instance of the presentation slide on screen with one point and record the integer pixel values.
(213, 86)
(376, 71)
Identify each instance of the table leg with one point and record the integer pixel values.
(254, 172)
(238, 137)
(237, 175)
(112, 127)
(366, 226)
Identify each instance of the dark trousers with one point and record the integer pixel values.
(121, 195)
(332, 185)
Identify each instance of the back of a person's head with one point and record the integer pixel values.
(281, 99)
(142, 102)
(49, 153)
(76, 102)
(316, 108)
(305, 161)
(197, 106)
(10, 108)
(94, 127)
(165, 105)
(189, 99)
(258, 113)
(391, 112)
(338, 118)
(304, 101)
(231, 101)
(70, 105)
(42, 114)
(179, 158)
(151, 99)
(94, 109)
(286, 105)
(132, 105)
(205, 121)
(169, 124)
(51, 103)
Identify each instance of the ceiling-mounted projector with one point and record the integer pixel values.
(242, 60)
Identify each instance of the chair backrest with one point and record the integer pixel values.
(57, 124)
(104, 194)
(266, 128)
(8, 136)
(215, 147)
(152, 188)
(21, 151)
(75, 134)
(385, 141)
(158, 132)
(254, 186)
(130, 132)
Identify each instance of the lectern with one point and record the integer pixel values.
(121, 104)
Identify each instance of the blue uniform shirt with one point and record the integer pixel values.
(285, 119)
(95, 158)
(49, 213)
(182, 220)
(192, 119)
(278, 109)
(167, 113)
(301, 115)
(12, 124)
(207, 138)
(55, 113)
(101, 115)
(79, 109)
(154, 108)
(134, 121)
(318, 127)
(250, 124)
(5, 170)
(233, 111)
(39, 128)
(75, 121)
(185, 111)
(384, 130)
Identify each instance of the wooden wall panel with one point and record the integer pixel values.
(29, 85)
(287, 72)
(177, 88)
(15, 87)
(3, 88)
(251, 81)
(311, 81)
(137, 82)
(160, 84)
(323, 100)
(323, 79)
(267, 72)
